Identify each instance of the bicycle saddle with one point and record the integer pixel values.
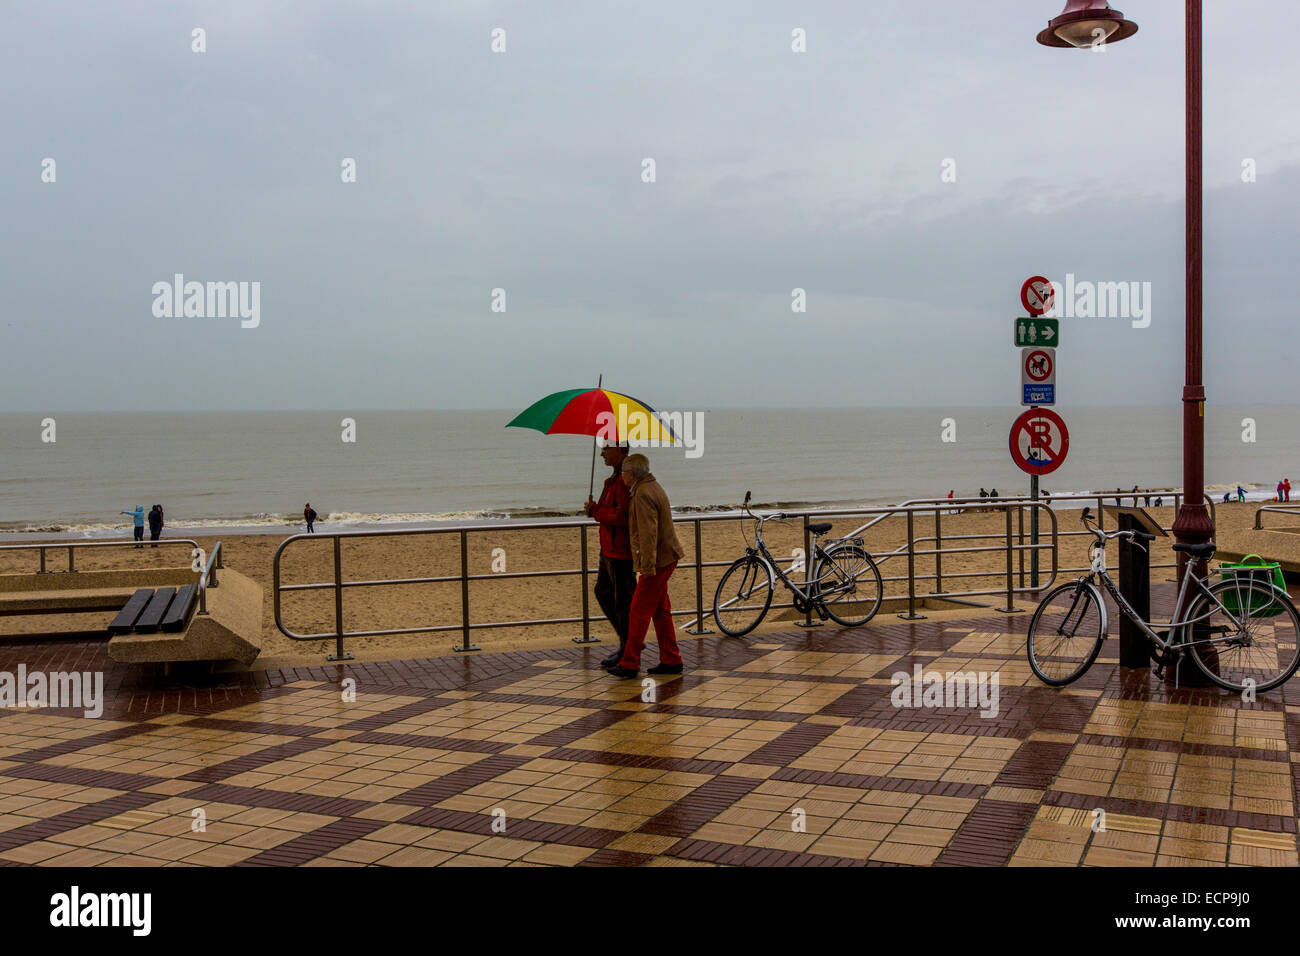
(1196, 550)
(820, 528)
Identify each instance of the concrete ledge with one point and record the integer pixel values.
(56, 581)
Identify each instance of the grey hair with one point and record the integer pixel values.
(638, 464)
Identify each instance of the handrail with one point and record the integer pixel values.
(71, 545)
(209, 571)
(337, 584)
(1282, 509)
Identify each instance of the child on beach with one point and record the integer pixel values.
(309, 515)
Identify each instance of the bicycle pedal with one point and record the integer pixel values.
(821, 612)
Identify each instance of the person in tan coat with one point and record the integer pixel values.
(655, 553)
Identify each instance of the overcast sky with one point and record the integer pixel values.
(522, 170)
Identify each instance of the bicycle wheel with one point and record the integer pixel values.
(1066, 633)
(848, 585)
(744, 594)
(1245, 634)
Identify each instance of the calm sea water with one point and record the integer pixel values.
(256, 470)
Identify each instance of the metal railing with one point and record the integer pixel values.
(913, 549)
(73, 546)
(1013, 542)
(1282, 509)
(208, 573)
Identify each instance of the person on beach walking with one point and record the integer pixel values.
(1281, 490)
(1241, 493)
(616, 580)
(655, 553)
(138, 517)
(309, 515)
(1286, 487)
(155, 523)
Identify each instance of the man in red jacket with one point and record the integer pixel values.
(616, 580)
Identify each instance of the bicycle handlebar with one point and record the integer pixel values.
(1131, 535)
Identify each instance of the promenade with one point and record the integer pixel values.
(782, 750)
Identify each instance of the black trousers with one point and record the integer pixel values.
(615, 583)
(139, 532)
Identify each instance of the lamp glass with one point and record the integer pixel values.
(1081, 34)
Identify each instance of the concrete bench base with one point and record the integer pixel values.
(232, 630)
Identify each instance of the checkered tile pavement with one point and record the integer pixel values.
(782, 750)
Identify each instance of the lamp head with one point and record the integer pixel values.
(1084, 24)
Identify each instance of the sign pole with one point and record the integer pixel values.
(1033, 531)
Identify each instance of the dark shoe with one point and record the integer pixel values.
(622, 673)
(611, 660)
(665, 669)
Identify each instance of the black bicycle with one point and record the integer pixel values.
(842, 583)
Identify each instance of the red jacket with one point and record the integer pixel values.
(612, 511)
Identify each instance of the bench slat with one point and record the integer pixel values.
(178, 615)
(130, 612)
(153, 614)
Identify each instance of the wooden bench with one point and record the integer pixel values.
(149, 610)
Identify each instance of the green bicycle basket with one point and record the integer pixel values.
(1254, 568)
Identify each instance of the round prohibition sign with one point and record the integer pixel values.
(1036, 295)
(1038, 366)
(1039, 441)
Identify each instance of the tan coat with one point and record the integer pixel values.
(650, 526)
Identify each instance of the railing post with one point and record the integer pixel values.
(699, 627)
(42, 571)
(938, 552)
(72, 561)
(586, 608)
(911, 614)
(464, 594)
(807, 575)
(1020, 540)
(1011, 607)
(339, 654)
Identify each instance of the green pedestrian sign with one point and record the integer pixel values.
(1036, 331)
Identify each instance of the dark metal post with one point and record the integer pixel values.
(1135, 585)
(464, 594)
(43, 558)
(586, 607)
(1033, 531)
(1020, 540)
(911, 614)
(339, 654)
(807, 574)
(699, 627)
(1011, 607)
(938, 552)
(1193, 524)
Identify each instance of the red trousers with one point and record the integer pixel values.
(650, 603)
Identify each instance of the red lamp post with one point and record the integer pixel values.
(1087, 23)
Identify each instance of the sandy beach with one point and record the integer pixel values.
(494, 551)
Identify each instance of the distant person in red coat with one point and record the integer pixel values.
(616, 580)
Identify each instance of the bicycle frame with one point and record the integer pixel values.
(1176, 628)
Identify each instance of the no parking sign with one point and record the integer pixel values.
(1039, 441)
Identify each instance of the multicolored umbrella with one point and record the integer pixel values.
(597, 412)
(578, 411)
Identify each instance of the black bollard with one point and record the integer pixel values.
(1135, 585)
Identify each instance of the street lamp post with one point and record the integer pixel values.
(1085, 24)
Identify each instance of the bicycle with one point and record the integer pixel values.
(1242, 632)
(841, 581)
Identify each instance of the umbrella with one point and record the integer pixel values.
(597, 411)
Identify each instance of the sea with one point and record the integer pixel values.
(251, 472)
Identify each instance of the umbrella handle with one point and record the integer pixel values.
(591, 485)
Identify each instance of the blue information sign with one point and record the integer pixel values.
(1039, 395)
